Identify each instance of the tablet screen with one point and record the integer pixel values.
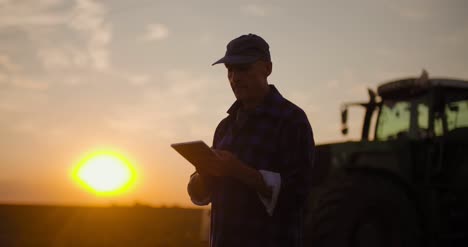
(196, 152)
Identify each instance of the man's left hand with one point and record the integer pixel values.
(224, 164)
(228, 165)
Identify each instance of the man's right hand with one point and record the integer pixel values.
(198, 189)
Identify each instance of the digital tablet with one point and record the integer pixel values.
(196, 152)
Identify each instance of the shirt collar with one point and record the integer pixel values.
(268, 106)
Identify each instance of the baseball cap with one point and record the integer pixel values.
(247, 48)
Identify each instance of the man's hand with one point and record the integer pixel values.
(198, 190)
(223, 165)
(228, 165)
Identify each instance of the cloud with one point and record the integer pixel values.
(53, 58)
(168, 112)
(11, 77)
(416, 10)
(20, 82)
(30, 13)
(29, 21)
(254, 10)
(3, 78)
(81, 34)
(26, 83)
(139, 80)
(7, 64)
(73, 80)
(62, 58)
(21, 103)
(89, 20)
(156, 32)
(50, 2)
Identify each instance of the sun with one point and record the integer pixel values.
(105, 173)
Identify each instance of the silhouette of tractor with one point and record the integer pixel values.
(405, 184)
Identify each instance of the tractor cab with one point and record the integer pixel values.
(416, 108)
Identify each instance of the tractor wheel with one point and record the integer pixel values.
(360, 210)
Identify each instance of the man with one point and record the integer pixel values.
(258, 184)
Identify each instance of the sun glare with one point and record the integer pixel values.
(105, 173)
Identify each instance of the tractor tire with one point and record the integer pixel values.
(359, 210)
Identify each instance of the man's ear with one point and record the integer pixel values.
(268, 68)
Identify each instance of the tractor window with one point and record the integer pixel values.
(402, 119)
(423, 116)
(457, 114)
(394, 120)
(438, 126)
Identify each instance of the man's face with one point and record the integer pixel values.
(248, 81)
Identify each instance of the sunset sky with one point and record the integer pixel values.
(133, 77)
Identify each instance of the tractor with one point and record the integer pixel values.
(405, 183)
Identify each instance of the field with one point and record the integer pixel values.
(55, 226)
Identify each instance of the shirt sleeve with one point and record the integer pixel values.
(295, 163)
(272, 180)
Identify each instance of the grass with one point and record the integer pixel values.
(55, 226)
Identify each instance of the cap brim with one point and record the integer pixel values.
(236, 60)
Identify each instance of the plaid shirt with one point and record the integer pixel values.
(275, 137)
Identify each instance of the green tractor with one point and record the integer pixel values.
(405, 184)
